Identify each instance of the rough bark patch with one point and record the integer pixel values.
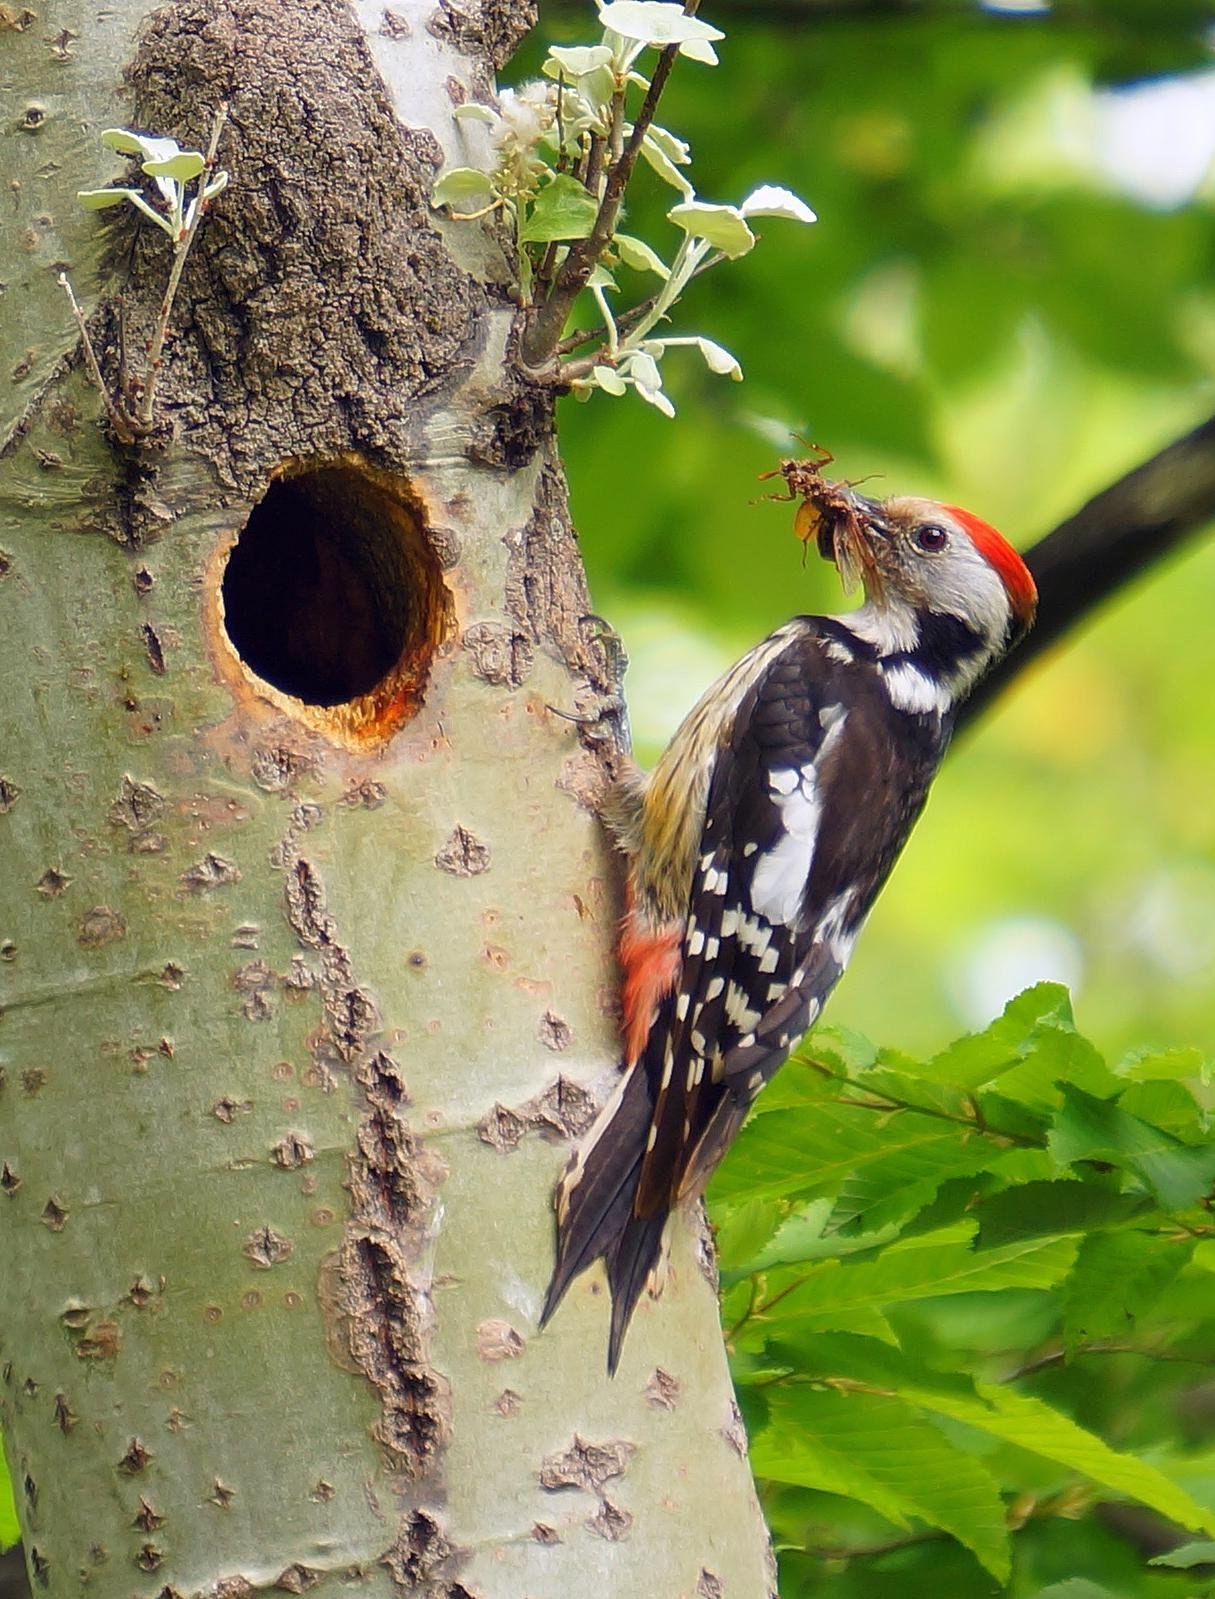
(546, 590)
(662, 1390)
(498, 1340)
(586, 1465)
(423, 1561)
(319, 298)
(563, 1111)
(484, 27)
(383, 1311)
(501, 655)
(463, 854)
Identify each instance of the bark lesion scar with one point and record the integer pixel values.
(381, 1302)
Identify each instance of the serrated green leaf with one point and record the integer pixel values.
(1180, 1065)
(1087, 1128)
(915, 1269)
(882, 1452)
(561, 210)
(1116, 1281)
(980, 1058)
(1200, 1553)
(816, 1148)
(743, 1231)
(1058, 1208)
(1031, 1424)
(745, 1247)
(466, 186)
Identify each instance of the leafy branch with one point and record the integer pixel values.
(184, 184)
(557, 159)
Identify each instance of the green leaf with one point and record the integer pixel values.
(1116, 1280)
(1031, 1424)
(980, 1058)
(881, 1451)
(99, 199)
(1201, 1553)
(575, 61)
(1088, 1128)
(462, 186)
(1076, 1588)
(718, 359)
(609, 380)
(1053, 1208)
(666, 169)
(658, 23)
(148, 145)
(636, 253)
(743, 1231)
(181, 166)
(770, 201)
(1180, 1065)
(919, 1268)
(562, 210)
(672, 146)
(722, 226)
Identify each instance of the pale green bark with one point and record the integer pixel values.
(267, 1319)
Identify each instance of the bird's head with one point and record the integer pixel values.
(917, 555)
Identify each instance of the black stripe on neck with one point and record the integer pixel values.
(944, 643)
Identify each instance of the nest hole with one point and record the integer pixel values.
(333, 595)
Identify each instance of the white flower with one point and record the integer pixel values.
(525, 115)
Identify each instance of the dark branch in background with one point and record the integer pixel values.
(1131, 525)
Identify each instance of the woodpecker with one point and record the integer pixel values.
(757, 846)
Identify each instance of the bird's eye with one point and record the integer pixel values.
(931, 538)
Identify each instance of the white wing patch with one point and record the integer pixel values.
(781, 874)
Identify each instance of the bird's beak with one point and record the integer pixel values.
(851, 535)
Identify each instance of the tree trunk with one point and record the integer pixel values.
(306, 920)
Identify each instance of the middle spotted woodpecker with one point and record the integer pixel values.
(757, 846)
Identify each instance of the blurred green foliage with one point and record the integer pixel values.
(996, 307)
(10, 1532)
(970, 1303)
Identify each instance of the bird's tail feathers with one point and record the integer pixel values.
(629, 1266)
(595, 1208)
